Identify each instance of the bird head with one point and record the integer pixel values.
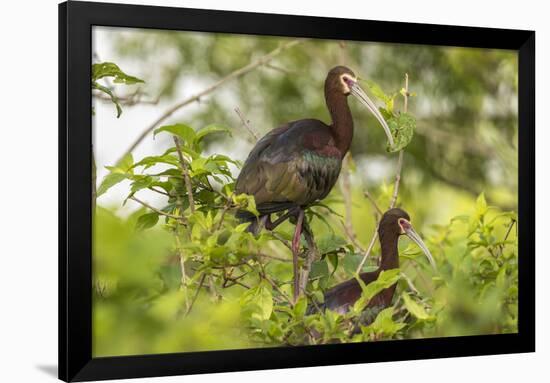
(341, 79)
(397, 222)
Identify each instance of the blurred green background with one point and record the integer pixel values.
(465, 144)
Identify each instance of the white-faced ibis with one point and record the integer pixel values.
(298, 163)
(394, 223)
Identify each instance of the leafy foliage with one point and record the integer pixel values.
(210, 263)
(401, 124)
(187, 276)
(111, 70)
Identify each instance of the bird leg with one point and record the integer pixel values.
(295, 250)
(272, 225)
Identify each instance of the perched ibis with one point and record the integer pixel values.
(394, 223)
(299, 162)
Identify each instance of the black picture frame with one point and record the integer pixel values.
(75, 219)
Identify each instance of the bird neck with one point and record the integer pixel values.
(342, 121)
(390, 253)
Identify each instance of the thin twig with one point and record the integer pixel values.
(225, 209)
(280, 259)
(186, 178)
(281, 239)
(395, 186)
(501, 246)
(372, 201)
(201, 282)
(400, 160)
(158, 191)
(246, 124)
(311, 254)
(369, 249)
(409, 283)
(129, 100)
(345, 188)
(278, 68)
(160, 212)
(276, 287)
(351, 236)
(233, 75)
(183, 285)
(397, 179)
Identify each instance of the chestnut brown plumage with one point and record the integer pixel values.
(394, 223)
(298, 163)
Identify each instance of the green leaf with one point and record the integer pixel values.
(108, 69)
(383, 324)
(481, 205)
(415, 308)
(210, 129)
(142, 182)
(185, 132)
(330, 243)
(109, 181)
(385, 279)
(351, 262)
(260, 300)
(300, 307)
(333, 259)
(319, 269)
(377, 92)
(402, 130)
(108, 91)
(242, 227)
(147, 221)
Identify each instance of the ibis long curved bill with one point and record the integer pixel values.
(413, 235)
(360, 94)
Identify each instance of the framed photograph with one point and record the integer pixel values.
(245, 191)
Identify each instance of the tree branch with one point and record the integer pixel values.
(201, 282)
(160, 212)
(345, 189)
(246, 124)
(186, 178)
(183, 285)
(311, 254)
(373, 202)
(233, 75)
(395, 186)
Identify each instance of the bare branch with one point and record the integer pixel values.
(201, 282)
(400, 159)
(233, 75)
(225, 208)
(369, 249)
(311, 254)
(280, 259)
(372, 201)
(129, 100)
(160, 212)
(395, 186)
(410, 284)
(185, 171)
(278, 68)
(246, 124)
(397, 179)
(183, 282)
(345, 188)
(158, 191)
